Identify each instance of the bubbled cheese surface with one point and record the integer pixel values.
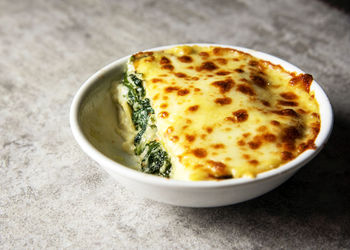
(222, 113)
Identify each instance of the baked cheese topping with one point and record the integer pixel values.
(220, 113)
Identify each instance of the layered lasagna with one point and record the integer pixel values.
(213, 113)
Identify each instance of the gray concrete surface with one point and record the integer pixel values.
(53, 196)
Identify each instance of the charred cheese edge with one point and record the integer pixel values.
(219, 113)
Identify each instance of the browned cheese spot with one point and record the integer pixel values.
(209, 130)
(239, 70)
(222, 73)
(259, 81)
(254, 162)
(308, 145)
(240, 115)
(222, 61)
(253, 63)
(188, 121)
(219, 51)
(208, 66)
(193, 108)
(223, 101)
(275, 123)
(183, 92)
(286, 112)
(180, 75)
(164, 105)
(163, 114)
(142, 54)
(219, 171)
(190, 138)
(150, 59)
(165, 98)
(218, 145)
(289, 95)
(315, 115)
(224, 86)
(197, 89)
(246, 135)
(287, 156)
(241, 143)
(287, 103)
(254, 144)
(156, 97)
(185, 59)
(302, 147)
(198, 166)
(200, 152)
(171, 89)
(164, 60)
(168, 67)
(316, 128)
(155, 80)
(289, 135)
(301, 111)
(245, 89)
(246, 156)
(261, 128)
(218, 166)
(304, 80)
(269, 137)
(195, 78)
(203, 54)
(265, 103)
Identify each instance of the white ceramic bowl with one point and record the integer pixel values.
(93, 122)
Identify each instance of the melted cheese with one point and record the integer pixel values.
(222, 113)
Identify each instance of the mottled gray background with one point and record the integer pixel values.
(53, 195)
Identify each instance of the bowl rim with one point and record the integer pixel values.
(326, 113)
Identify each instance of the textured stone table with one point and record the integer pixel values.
(53, 195)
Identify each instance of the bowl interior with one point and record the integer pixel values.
(97, 117)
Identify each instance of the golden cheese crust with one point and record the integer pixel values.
(222, 113)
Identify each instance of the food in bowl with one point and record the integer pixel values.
(93, 119)
(213, 113)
